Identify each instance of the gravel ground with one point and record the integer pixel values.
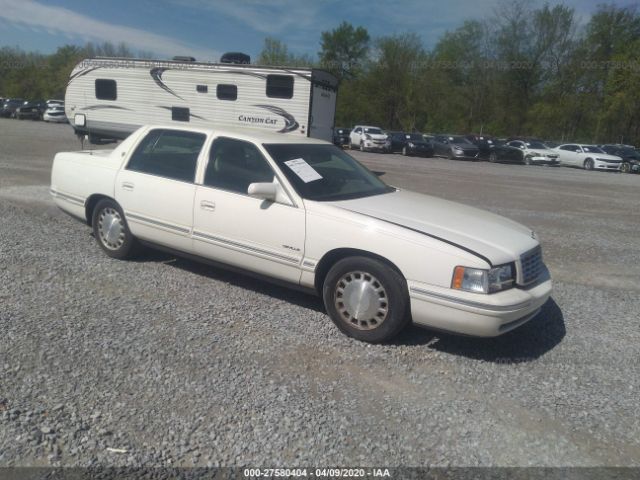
(163, 361)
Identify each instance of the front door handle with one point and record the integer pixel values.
(206, 205)
(128, 186)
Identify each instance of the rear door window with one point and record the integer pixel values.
(168, 153)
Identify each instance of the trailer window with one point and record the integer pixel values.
(169, 154)
(279, 86)
(180, 114)
(106, 89)
(227, 92)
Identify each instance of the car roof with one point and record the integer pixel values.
(248, 134)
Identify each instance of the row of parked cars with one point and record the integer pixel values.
(528, 151)
(20, 109)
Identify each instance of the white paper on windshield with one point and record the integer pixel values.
(305, 171)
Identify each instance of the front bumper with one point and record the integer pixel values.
(30, 114)
(55, 119)
(372, 145)
(613, 167)
(475, 314)
(465, 155)
(544, 160)
(424, 152)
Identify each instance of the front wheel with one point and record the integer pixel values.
(625, 167)
(588, 164)
(362, 146)
(527, 160)
(493, 158)
(404, 151)
(112, 232)
(366, 299)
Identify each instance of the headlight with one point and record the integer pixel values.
(410, 144)
(478, 280)
(458, 149)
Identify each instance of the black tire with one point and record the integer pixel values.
(493, 158)
(404, 151)
(527, 160)
(123, 244)
(625, 167)
(588, 164)
(362, 146)
(383, 283)
(450, 156)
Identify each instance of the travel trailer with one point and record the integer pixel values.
(109, 98)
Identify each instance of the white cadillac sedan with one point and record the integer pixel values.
(303, 212)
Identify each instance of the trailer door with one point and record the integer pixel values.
(323, 110)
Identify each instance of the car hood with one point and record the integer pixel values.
(486, 234)
(377, 136)
(604, 156)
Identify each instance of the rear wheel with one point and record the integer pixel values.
(366, 299)
(588, 164)
(625, 167)
(493, 158)
(112, 232)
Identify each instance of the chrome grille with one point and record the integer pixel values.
(531, 265)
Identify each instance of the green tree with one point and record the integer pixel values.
(344, 50)
(276, 53)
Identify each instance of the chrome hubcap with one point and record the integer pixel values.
(361, 300)
(111, 228)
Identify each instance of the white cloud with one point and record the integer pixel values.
(272, 17)
(34, 15)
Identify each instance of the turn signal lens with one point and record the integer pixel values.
(458, 277)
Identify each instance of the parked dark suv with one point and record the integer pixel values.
(341, 136)
(32, 110)
(10, 106)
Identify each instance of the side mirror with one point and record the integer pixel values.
(271, 192)
(265, 191)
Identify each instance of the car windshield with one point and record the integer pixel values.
(626, 151)
(592, 149)
(374, 131)
(535, 145)
(325, 172)
(415, 137)
(459, 140)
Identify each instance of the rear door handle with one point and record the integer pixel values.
(128, 186)
(210, 206)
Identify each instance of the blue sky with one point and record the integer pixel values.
(206, 28)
